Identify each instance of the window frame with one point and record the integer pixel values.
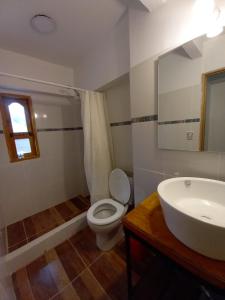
(10, 137)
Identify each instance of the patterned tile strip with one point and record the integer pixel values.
(59, 129)
(180, 121)
(54, 129)
(121, 123)
(114, 124)
(145, 119)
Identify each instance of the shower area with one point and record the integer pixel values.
(43, 200)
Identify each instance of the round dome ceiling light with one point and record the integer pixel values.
(43, 24)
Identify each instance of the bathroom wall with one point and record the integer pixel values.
(151, 35)
(118, 104)
(30, 186)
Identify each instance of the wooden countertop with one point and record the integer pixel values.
(147, 221)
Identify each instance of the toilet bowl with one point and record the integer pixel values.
(104, 217)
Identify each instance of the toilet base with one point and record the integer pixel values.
(106, 241)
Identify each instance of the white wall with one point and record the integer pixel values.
(118, 103)
(106, 60)
(169, 26)
(31, 186)
(151, 35)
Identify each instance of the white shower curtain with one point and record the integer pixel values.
(97, 151)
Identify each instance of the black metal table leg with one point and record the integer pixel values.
(129, 267)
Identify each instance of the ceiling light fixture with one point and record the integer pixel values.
(43, 24)
(215, 24)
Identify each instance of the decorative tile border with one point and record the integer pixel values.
(54, 129)
(121, 123)
(145, 119)
(59, 129)
(195, 120)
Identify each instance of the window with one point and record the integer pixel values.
(19, 127)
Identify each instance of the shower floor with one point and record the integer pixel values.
(27, 230)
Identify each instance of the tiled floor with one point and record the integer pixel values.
(76, 269)
(22, 232)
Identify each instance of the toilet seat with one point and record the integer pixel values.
(109, 204)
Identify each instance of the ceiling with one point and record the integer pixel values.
(80, 23)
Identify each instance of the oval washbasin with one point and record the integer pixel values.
(194, 211)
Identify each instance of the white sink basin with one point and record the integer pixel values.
(194, 211)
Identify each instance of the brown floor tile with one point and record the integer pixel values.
(68, 293)
(21, 285)
(56, 216)
(70, 260)
(29, 227)
(87, 287)
(56, 269)
(41, 281)
(120, 249)
(15, 233)
(42, 222)
(85, 243)
(17, 246)
(110, 271)
(65, 211)
(80, 202)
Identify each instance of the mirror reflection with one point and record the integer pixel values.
(191, 96)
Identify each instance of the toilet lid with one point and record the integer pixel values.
(119, 186)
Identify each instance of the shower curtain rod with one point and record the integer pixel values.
(77, 90)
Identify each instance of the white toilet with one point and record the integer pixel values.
(104, 217)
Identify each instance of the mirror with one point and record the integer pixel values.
(191, 96)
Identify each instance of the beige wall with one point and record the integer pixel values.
(150, 164)
(118, 103)
(31, 186)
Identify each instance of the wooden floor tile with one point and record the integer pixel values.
(85, 243)
(76, 210)
(15, 233)
(22, 285)
(65, 211)
(17, 246)
(68, 293)
(70, 260)
(41, 280)
(56, 216)
(110, 271)
(29, 227)
(87, 287)
(56, 269)
(44, 221)
(81, 203)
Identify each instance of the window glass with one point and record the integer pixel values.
(18, 117)
(22, 147)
